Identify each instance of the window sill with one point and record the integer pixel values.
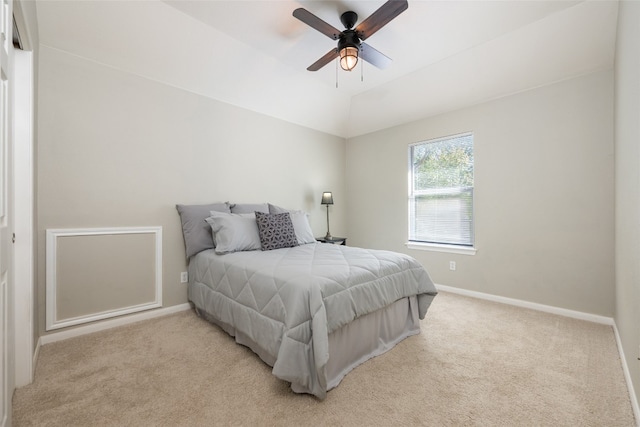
(434, 247)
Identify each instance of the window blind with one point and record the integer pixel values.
(441, 191)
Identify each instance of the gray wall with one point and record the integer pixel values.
(544, 187)
(627, 147)
(119, 150)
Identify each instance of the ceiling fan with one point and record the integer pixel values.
(351, 40)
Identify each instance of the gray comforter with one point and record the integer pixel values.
(287, 301)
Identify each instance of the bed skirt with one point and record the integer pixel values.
(366, 337)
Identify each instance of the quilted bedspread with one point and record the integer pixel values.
(289, 300)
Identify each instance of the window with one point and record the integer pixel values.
(441, 191)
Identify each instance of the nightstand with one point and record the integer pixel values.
(335, 240)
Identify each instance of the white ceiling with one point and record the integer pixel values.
(254, 54)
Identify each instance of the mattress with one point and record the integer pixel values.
(285, 303)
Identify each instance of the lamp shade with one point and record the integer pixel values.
(327, 198)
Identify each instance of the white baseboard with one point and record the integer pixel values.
(627, 377)
(531, 305)
(108, 324)
(561, 312)
(36, 353)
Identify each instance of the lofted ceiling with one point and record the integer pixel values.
(254, 54)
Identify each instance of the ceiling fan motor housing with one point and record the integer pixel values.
(348, 38)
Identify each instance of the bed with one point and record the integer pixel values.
(313, 311)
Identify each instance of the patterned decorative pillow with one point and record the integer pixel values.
(276, 231)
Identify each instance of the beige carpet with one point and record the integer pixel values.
(475, 363)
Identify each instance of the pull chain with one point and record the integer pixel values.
(336, 73)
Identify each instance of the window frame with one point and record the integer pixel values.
(464, 249)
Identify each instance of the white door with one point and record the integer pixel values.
(6, 226)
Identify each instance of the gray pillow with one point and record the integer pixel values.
(276, 231)
(300, 221)
(249, 207)
(234, 232)
(195, 230)
(273, 209)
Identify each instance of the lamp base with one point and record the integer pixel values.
(328, 236)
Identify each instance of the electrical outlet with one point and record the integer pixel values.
(452, 265)
(184, 277)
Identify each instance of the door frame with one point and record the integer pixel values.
(23, 209)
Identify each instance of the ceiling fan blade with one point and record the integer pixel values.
(328, 57)
(314, 22)
(374, 57)
(380, 18)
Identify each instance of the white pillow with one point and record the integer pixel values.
(300, 221)
(234, 232)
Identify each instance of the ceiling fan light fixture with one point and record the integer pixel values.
(348, 49)
(351, 44)
(348, 57)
